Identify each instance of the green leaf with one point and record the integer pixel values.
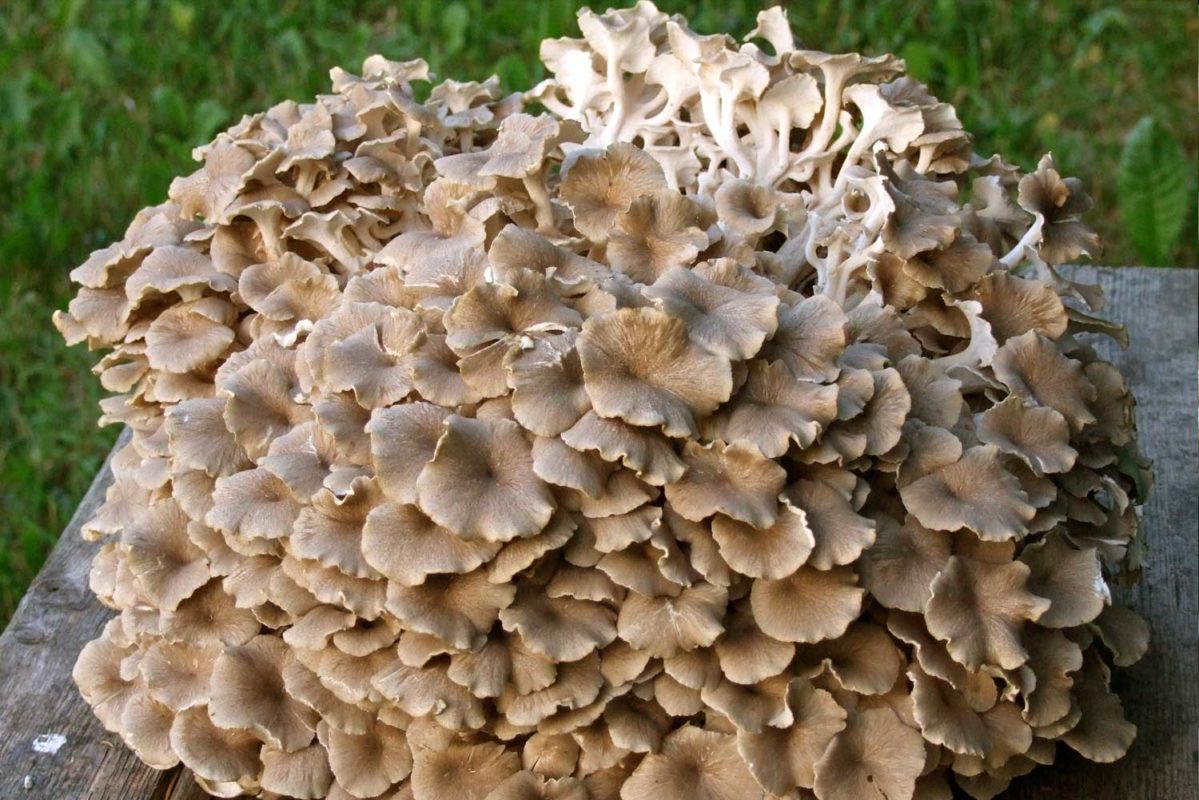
(1154, 186)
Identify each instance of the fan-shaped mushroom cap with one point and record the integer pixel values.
(659, 230)
(301, 774)
(458, 609)
(875, 756)
(727, 309)
(978, 608)
(1035, 371)
(782, 759)
(810, 337)
(807, 606)
(1102, 734)
(1038, 435)
(1070, 578)
(774, 552)
(178, 675)
(693, 763)
(642, 450)
(1014, 306)
(663, 626)
(98, 675)
(402, 543)
(561, 628)
(146, 726)
(639, 365)
(899, 567)
(975, 492)
(547, 385)
(461, 770)
(248, 692)
(773, 410)
(840, 533)
(480, 483)
(735, 480)
(168, 566)
(368, 764)
(599, 186)
(526, 785)
(215, 754)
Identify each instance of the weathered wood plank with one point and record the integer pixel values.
(38, 699)
(59, 614)
(1161, 693)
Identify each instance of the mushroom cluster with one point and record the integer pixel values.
(725, 430)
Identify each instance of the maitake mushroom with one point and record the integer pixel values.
(726, 431)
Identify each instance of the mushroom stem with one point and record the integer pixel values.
(543, 211)
(1028, 240)
(616, 122)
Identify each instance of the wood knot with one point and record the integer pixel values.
(58, 591)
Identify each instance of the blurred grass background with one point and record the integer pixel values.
(101, 103)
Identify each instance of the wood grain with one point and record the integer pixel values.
(59, 614)
(37, 696)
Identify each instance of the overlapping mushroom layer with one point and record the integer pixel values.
(722, 433)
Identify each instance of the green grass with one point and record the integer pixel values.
(101, 103)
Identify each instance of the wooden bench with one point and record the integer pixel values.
(52, 748)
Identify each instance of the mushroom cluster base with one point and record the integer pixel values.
(709, 421)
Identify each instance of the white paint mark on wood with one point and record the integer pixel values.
(48, 743)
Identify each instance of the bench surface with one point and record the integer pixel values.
(52, 748)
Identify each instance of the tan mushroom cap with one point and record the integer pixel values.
(1070, 578)
(178, 675)
(839, 532)
(664, 626)
(303, 774)
(978, 608)
(865, 660)
(1034, 370)
(461, 771)
(458, 609)
(975, 492)
(547, 385)
(899, 567)
(734, 480)
(248, 692)
(561, 628)
(146, 727)
(213, 753)
(600, 185)
(807, 606)
(406, 546)
(639, 365)
(810, 337)
(773, 411)
(480, 483)
(727, 309)
(368, 764)
(693, 763)
(876, 756)
(659, 230)
(774, 552)
(782, 759)
(169, 568)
